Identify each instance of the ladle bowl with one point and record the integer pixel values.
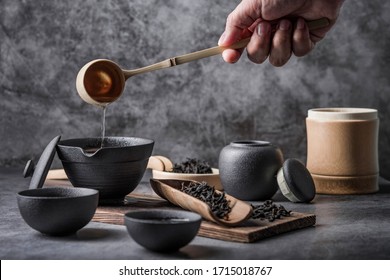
(57, 211)
(114, 170)
(100, 82)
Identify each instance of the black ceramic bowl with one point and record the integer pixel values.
(57, 211)
(162, 230)
(114, 170)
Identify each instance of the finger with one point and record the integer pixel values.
(242, 17)
(281, 44)
(259, 45)
(232, 56)
(301, 41)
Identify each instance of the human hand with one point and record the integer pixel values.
(252, 18)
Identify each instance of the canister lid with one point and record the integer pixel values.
(342, 114)
(39, 173)
(295, 181)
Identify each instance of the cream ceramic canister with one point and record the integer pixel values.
(342, 150)
(248, 169)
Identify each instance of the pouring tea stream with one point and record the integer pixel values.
(101, 81)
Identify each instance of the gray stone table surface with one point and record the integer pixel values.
(348, 227)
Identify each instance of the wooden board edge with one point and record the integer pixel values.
(255, 234)
(299, 223)
(114, 218)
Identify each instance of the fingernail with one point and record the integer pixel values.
(300, 24)
(284, 25)
(222, 38)
(263, 28)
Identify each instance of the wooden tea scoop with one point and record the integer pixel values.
(160, 163)
(56, 174)
(170, 190)
(102, 81)
(162, 168)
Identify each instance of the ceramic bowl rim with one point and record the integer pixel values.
(63, 143)
(192, 217)
(34, 193)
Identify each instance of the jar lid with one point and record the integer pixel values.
(296, 182)
(39, 172)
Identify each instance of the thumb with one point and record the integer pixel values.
(238, 21)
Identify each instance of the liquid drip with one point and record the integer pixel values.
(92, 150)
(103, 129)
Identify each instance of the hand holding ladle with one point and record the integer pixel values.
(102, 81)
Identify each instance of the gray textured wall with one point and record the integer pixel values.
(191, 110)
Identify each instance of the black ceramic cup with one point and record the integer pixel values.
(162, 230)
(115, 169)
(248, 169)
(57, 211)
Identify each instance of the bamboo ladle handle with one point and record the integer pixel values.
(181, 59)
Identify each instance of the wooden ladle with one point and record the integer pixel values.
(170, 190)
(102, 81)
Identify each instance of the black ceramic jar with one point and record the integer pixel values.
(248, 169)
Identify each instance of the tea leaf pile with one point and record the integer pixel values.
(219, 205)
(193, 166)
(217, 201)
(269, 211)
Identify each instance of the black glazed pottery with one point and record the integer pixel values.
(248, 169)
(114, 170)
(58, 210)
(162, 230)
(295, 181)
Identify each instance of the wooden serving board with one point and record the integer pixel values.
(250, 231)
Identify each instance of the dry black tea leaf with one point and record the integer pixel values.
(269, 210)
(192, 166)
(217, 201)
